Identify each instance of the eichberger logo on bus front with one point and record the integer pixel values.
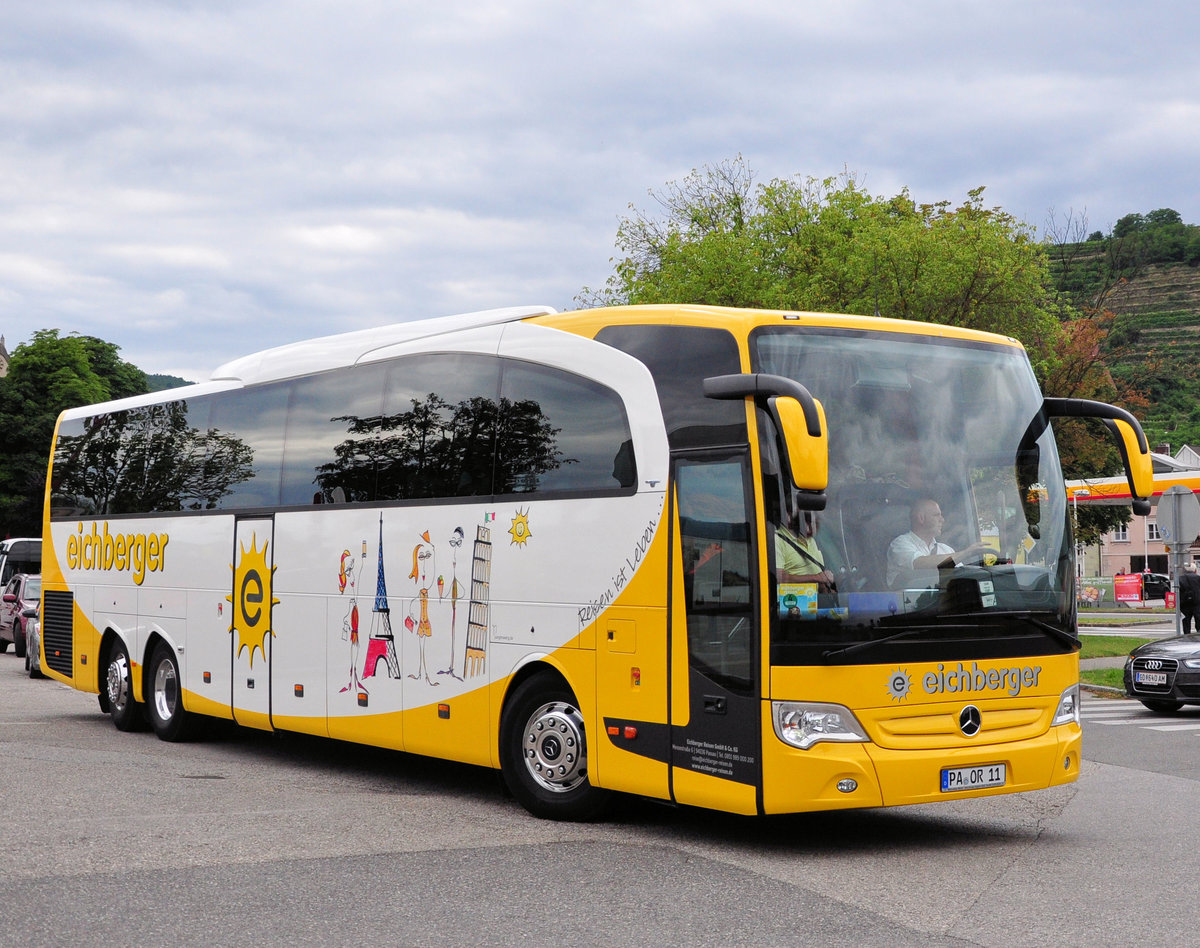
(961, 680)
(899, 684)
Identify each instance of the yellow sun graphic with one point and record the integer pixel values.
(252, 599)
(519, 531)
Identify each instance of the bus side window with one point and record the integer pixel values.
(680, 358)
(252, 421)
(332, 435)
(439, 426)
(560, 432)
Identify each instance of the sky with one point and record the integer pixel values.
(194, 181)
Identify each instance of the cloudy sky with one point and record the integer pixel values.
(198, 180)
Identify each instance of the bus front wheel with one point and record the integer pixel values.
(543, 752)
(165, 701)
(126, 713)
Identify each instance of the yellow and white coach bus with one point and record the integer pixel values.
(656, 550)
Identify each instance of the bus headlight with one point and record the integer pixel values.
(803, 724)
(1068, 707)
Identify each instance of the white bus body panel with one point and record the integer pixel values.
(464, 582)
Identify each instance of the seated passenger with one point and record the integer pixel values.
(798, 558)
(914, 557)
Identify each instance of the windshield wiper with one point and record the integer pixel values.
(870, 643)
(1060, 635)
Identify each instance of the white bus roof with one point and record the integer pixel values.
(327, 352)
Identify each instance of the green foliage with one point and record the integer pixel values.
(45, 376)
(1108, 646)
(829, 245)
(1089, 272)
(160, 383)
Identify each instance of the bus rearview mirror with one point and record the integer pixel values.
(807, 454)
(1138, 465)
(800, 419)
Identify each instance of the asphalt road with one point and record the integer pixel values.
(255, 839)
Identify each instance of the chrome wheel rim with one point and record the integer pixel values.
(166, 690)
(118, 682)
(553, 747)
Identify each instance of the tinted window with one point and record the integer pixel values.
(680, 358)
(560, 432)
(254, 418)
(430, 426)
(332, 437)
(70, 495)
(718, 578)
(438, 426)
(158, 457)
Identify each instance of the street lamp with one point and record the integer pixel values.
(1075, 495)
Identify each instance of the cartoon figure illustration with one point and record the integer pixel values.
(382, 644)
(456, 591)
(424, 565)
(350, 620)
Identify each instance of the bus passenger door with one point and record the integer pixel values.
(715, 727)
(251, 635)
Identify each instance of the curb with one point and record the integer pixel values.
(1102, 689)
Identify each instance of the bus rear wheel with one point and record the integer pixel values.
(126, 713)
(165, 701)
(543, 752)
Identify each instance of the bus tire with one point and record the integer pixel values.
(543, 752)
(164, 700)
(126, 713)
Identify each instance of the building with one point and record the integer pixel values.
(3, 359)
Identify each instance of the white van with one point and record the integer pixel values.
(20, 555)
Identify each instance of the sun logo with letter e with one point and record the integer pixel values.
(519, 531)
(252, 600)
(899, 684)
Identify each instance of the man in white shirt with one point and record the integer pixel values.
(919, 550)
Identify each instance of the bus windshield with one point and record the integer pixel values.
(945, 534)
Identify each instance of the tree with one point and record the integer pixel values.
(830, 245)
(47, 375)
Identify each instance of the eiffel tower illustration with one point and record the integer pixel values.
(382, 643)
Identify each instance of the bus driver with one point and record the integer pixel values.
(919, 551)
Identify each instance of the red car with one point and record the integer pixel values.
(22, 592)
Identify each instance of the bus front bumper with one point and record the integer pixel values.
(848, 775)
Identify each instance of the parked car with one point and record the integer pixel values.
(33, 641)
(22, 592)
(1164, 675)
(1155, 586)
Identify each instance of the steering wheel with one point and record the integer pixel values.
(985, 556)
